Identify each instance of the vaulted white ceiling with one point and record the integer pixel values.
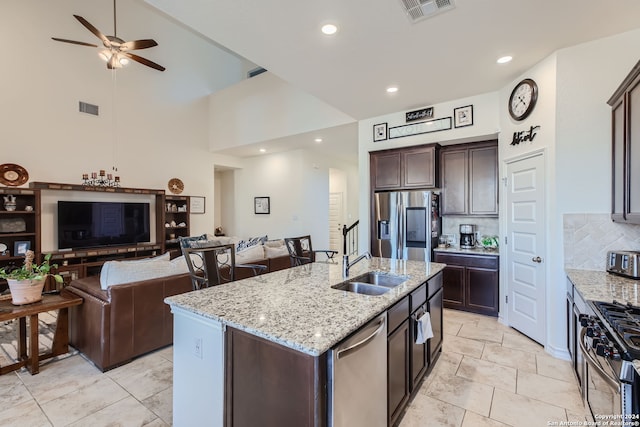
(448, 56)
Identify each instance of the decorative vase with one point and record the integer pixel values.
(25, 291)
(10, 202)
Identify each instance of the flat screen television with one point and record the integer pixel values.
(94, 224)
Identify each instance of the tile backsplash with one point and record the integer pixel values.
(588, 237)
(484, 226)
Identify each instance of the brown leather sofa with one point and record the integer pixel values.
(114, 326)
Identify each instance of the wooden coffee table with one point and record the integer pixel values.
(31, 358)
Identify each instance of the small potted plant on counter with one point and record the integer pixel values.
(26, 282)
(489, 242)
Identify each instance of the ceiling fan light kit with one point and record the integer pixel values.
(116, 52)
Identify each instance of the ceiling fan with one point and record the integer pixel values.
(117, 50)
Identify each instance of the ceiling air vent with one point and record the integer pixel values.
(418, 10)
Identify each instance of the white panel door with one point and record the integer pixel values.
(336, 220)
(526, 247)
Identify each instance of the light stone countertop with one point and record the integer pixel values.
(474, 251)
(602, 286)
(297, 308)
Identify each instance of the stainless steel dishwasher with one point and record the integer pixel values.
(358, 378)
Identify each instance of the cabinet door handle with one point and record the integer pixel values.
(536, 259)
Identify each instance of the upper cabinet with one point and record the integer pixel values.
(469, 177)
(405, 168)
(625, 147)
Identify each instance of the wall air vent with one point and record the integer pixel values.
(255, 72)
(88, 108)
(417, 10)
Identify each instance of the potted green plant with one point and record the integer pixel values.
(26, 282)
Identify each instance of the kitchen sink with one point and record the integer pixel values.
(361, 288)
(380, 279)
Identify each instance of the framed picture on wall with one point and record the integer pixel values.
(196, 205)
(379, 132)
(20, 247)
(463, 116)
(261, 205)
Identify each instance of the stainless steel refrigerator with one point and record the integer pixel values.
(407, 225)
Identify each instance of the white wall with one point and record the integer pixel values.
(264, 108)
(297, 183)
(152, 125)
(574, 85)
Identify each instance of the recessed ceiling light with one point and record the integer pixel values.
(504, 59)
(329, 29)
(392, 89)
(263, 150)
(318, 140)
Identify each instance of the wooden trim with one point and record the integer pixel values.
(80, 187)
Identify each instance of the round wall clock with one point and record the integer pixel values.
(13, 175)
(176, 186)
(523, 99)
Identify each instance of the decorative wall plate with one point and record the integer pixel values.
(13, 175)
(176, 186)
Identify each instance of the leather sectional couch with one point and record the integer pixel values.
(115, 325)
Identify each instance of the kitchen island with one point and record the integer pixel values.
(273, 332)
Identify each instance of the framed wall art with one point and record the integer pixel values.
(463, 116)
(20, 247)
(196, 205)
(379, 132)
(261, 205)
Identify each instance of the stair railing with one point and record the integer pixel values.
(350, 239)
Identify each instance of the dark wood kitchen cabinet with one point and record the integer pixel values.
(625, 148)
(405, 168)
(469, 177)
(408, 362)
(398, 352)
(254, 380)
(470, 282)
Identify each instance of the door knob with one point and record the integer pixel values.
(537, 259)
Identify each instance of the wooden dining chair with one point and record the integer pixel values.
(301, 250)
(214, 265)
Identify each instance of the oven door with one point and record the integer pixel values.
(602, 385)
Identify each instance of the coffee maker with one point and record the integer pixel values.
(467, 236)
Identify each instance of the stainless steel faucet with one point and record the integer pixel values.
(346, 265)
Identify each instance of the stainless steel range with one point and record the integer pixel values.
(610, 342)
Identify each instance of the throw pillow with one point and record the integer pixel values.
(243, 244)
(250, 254)
(274, 252)
(274, 243)
(190, 242)
(121, 272)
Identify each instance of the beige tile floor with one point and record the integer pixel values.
(487, 375)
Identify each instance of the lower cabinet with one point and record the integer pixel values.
(408, 362)
(257, 392)
(398, 371)
(254, 367)
(471, 282)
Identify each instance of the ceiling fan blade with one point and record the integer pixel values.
(138, 44)
(94, 30)
(143, 61)
(74, 42)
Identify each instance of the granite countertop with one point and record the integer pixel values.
(297, 308)
(474, 251)
(602, 286)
